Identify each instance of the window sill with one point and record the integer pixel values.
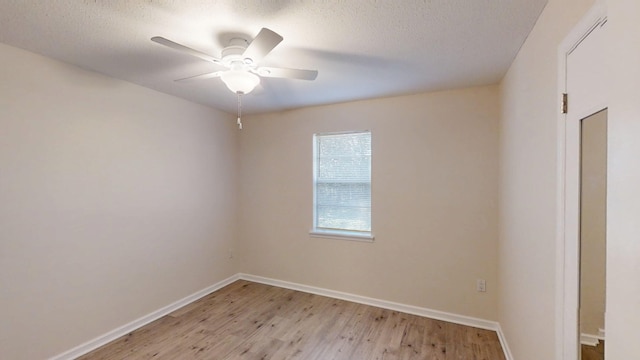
(342, 235)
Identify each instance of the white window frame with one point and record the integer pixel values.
(355, 235)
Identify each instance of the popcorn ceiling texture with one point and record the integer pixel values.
(362, 49)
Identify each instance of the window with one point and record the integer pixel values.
(342, 185)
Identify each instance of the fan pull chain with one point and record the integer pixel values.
(239, 110)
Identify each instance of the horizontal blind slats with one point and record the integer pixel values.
(343, 181)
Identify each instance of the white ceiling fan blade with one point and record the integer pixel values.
(287, 73)
(263, 43)
(184, 49)
(202, 76)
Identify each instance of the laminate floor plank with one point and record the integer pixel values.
(593, 352)
(320, 323)
(337, 347)
(329, 330)
(251, 321)
(148, 337)
(411, 343)
(366, 346)
(434, 343)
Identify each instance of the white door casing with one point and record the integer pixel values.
(582, 75)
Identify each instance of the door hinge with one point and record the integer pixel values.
(565, 103)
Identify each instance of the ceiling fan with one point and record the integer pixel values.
(242, 59)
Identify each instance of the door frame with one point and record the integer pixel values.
(568, 195)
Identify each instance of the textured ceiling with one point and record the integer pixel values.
(361, 48)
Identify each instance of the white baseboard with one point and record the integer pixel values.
(389, 305)
(503, 342)
(590, 339)
(138, 323)
(601, 334)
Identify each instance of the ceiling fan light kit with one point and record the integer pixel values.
(240, 81)
(242, 59)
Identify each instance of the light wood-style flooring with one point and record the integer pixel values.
(246, 320)
(593, 352)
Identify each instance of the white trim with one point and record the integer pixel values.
(503, 341)
(590, 339)
(138, 323)
(389, 305)
(342, 235)
(566, 263)
(601, 334)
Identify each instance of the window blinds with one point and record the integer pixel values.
(342, 180)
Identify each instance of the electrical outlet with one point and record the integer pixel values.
(481, 285)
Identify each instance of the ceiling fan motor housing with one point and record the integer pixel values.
(232, 54)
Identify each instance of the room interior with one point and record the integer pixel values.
(125, 194)
(593, 232)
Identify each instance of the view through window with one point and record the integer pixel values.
(342, 182)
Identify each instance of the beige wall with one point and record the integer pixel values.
(623, 190)
(115, 201)
(528, 165)
(593, 229)
(434, 193)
